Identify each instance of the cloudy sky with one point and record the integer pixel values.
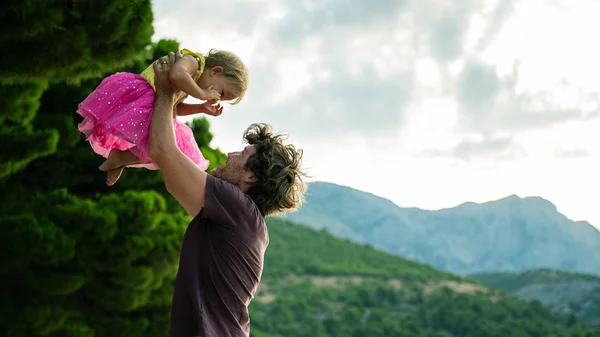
(429, 103)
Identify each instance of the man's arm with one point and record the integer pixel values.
(183, 179)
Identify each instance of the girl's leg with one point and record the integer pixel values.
(117, 158)
(113, 175)
(115, 164)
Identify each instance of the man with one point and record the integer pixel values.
(223, 248)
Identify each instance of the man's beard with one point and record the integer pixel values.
(221, 173)
(217, 172)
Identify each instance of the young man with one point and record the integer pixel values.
(223, 248)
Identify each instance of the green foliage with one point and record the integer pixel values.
(325, 254)
(22, 144)
(20, 102)
(577, 292)
(512, 281)
(71, 40)
(88, 260)
(353, 303)
(57, 42)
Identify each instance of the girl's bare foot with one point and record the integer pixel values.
(117, 158)
(113, 175)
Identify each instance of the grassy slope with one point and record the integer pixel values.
(318, 285)
(513, 281)
(562, 291)
(301, 250)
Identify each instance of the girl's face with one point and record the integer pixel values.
(215, 78)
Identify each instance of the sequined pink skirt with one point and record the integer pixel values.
(117, 115)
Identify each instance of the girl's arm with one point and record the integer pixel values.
(181, 77)
(184, 109)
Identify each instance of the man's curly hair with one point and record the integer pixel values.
(280, 187)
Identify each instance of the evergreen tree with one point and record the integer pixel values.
(71, 40)
(80, 258)
(59, 41)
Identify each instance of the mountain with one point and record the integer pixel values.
(563, 292)
(318, 285)
(511, 234)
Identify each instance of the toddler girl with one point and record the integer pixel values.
(118, 112)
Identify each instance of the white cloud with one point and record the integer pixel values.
(429, 103)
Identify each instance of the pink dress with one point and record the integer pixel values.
(117, 115)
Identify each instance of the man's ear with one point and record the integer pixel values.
(250, 177)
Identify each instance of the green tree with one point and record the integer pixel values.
(59, 41)
(21, 143)
(103, 266)
(71, 40)
(80, 258)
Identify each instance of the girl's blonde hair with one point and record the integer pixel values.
(233, 68)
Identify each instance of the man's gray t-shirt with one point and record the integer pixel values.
(220, 267)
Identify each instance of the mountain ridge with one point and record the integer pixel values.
(507, 234)
(508, 198)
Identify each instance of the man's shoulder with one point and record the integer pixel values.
(223, 195)
(224, 187)
(219, 186)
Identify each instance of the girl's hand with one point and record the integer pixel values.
(212, 109)
(210, 94)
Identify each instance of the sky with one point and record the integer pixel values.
(428, 103)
